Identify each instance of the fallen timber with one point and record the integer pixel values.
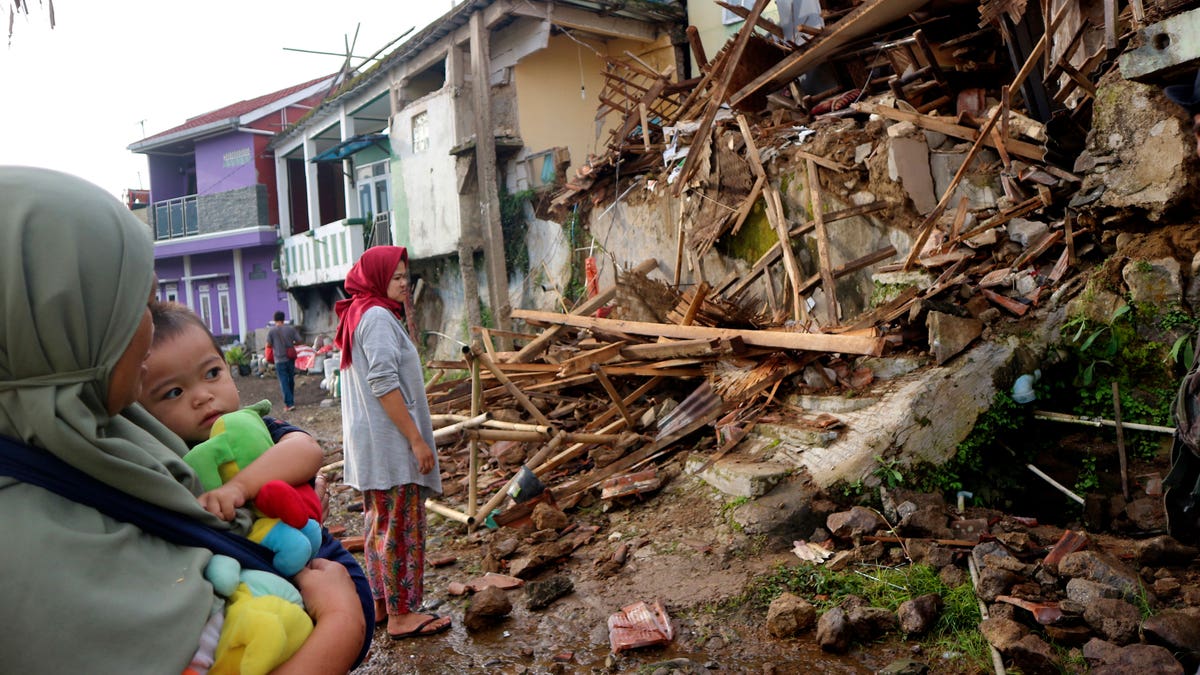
(819, 342)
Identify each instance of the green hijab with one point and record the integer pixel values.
(83, 592)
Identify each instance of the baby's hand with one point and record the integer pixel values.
(223, 502)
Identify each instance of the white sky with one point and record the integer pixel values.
(73, 98)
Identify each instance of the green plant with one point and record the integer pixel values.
(976, 455)
(1092, 350)
(1183, 352)
(514, 227)
(1087, 480)
(888, 471)
(237, 355)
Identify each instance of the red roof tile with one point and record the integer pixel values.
(236, 109)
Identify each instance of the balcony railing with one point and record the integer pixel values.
(176, 218)
(323, 255)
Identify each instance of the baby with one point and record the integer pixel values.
(188, 386)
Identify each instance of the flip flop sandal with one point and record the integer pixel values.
(420, 631)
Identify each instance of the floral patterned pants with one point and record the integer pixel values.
(394, 549)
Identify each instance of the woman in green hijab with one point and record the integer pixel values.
(84, 592)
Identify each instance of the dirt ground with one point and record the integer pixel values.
(683, 552)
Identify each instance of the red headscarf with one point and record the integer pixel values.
(367, 284)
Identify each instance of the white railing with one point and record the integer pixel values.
(323, 255)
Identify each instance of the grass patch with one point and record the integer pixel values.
(957, 627)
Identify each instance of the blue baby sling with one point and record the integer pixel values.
(40, 468)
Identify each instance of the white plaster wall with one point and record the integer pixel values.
(430, 185)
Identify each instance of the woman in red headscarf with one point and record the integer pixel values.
(389, 447)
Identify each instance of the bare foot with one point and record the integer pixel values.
(381, 614)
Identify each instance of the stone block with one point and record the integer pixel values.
(740, 477)
(1155, 282)
(949, 335)
(908, 163)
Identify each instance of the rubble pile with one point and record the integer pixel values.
(921, 127)
(1043, 591)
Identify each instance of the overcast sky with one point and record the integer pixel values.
(76, 96)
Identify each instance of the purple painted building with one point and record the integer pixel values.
(214, 210)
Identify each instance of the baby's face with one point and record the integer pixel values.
(188, 385)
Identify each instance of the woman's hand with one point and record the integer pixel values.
(424, 456)
(340, 626)
(327, 589)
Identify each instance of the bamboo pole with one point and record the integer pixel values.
(1059, 486)
(447, 434)
(535, 437)
(1097, 422)
(452, 514)
(1121, 442)
(472, 444)
(496, 499)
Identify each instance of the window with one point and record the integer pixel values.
(374, 188)
(542, 168)
(728, 17)
(204, 305)
(420, 132)
(223, 306)
(172, 292)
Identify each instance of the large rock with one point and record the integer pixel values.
(790, 615)
(1086, 592)
(1137, 151)
(858, 521)
(1115, 620)
(1165, 551)
(919, 614)
(1140, 659)
(833, 631)
(1177, 630)
(488, 606)
(1002, 633)
(1034, 656)
(1154, 282)
(1101, 568)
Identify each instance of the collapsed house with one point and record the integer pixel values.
(875, 178)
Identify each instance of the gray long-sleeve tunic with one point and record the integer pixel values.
(378, 456)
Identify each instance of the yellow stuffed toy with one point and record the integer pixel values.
(265, 621)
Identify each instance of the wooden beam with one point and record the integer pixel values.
(824, 264)
(539, 345)
(528, 405)
(759, 338)
(693, 37)
(933, 123)
(566, 16)
(615, 396)
(487, 186)
(777, 220)
(584, 362)
(862, 20)
(717, 97)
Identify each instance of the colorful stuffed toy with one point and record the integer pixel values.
(265, 621)
(290, 516)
